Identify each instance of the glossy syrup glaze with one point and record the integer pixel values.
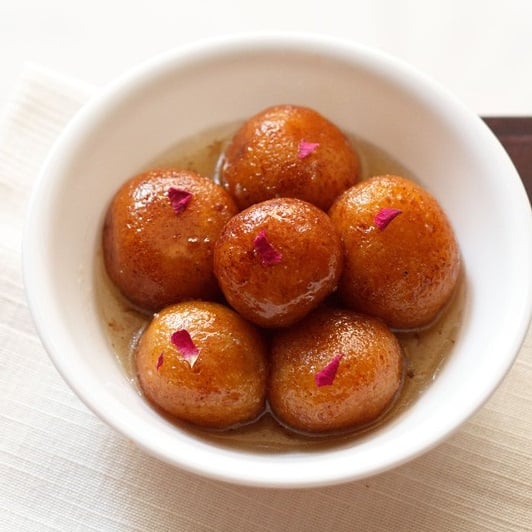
(425, 350)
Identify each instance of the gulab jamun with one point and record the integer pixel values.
(276, 261)
(159, 234)
(335, 371)
(402, 260)
(289, 151)
(202, 363)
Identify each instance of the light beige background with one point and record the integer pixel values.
(479, 49)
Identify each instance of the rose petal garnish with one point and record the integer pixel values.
(182, 340)
(160, 361)
(179, 199)
(267, 253)
(306, 148)
(385, 216)
(325, 377)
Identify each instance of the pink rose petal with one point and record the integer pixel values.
(179, 199)
(267, 253)
(182, 340)
(385, 216)
(306, 148)
(325, 377)
(160, 361)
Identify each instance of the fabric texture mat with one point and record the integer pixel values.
(62, 469)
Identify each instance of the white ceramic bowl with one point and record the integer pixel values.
(191, 89)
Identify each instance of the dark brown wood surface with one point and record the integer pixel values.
(515, 134)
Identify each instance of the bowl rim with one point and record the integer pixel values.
(225, 46)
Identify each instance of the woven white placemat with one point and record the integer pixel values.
(62, 469)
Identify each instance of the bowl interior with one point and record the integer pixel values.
(191, 90)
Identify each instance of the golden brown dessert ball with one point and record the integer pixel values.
(402, 261)
(335, 370)
(224, 386)
(289, 151)
(159, 235)
(276, 260)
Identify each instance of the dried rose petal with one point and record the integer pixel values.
(325, 377)
(267, 253)
(385, 216)
(160, 361)
(306, 148)
(179, 199)
(182, 340)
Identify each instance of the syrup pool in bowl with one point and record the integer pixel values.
(425, 350)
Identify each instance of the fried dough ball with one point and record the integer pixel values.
(402, 261)
(224, 386)
(289, 151)
(276, 261)
(158, 240)
(334, 371)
